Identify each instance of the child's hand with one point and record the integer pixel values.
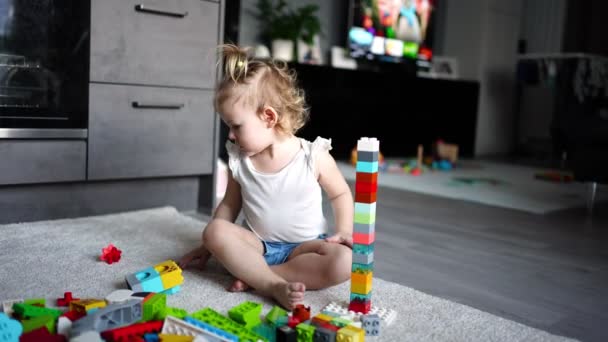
(345, 239)
(201, 253)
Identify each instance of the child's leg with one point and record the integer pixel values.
(318, 264)
(241, 252)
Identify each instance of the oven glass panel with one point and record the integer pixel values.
(44, 63)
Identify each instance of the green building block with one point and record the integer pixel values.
(36, 301)
(305, 332)
(171, 311)
(27, 311)
(154, 307)
(275, 314)
(340, 322)
(362, 267)
(211, 317)
(246, 313)
(47, 321)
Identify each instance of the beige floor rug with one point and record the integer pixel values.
(46, 259)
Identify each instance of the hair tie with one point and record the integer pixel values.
(239, 64)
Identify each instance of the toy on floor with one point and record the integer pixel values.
(165, 277)
(366, 187)
(110, 254)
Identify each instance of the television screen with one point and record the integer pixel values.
(396, 31)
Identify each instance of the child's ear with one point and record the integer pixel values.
(270, 116)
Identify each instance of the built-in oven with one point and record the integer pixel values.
(44, 68)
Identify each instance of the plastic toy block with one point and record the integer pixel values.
(371, 324)
(364, 297)
(170, 274)
(213, 330)
(10, 329)
(175, 312)
(89, 336)
(273, 315)
(246, 313)
(293, 321)
(154, 307)
(359, 258)
(86, 305)
(73, 315)
(266, 330)
(340, 322)
(146, 280)
(132, 332)
(301, 312)
(37, 322)
(152, 337)
(362, 197)
(110, 254)
(211, 317)
(387, 316)
(41, 334)
(27, 311)
(362, 267)
(173, 290)
(322, 334)
(358, 305)
(361, 282)
(111, 317)
(366, 177)
(41, 302)
(364, 228)
(305, 332)
(368, 156)
(365, 208)
(286, 334)
(119, 296)
(64, 325)
(321, 318)
(363, 249)
(351, 334)
(66, 300)
(368, 144)
(175, 326)
(365, 218)
(7, 306)
(364, 239)
(174, 338)
(369, 167)
(366, 187)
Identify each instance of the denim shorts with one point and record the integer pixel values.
(276, 253)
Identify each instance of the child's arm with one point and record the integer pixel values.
(228, 209)
(333, 183)
(230, 206)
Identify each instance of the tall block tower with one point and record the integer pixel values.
(366, 186)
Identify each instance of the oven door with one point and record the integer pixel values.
(44, 68)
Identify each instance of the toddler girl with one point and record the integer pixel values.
(276, 179)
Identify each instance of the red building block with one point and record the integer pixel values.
(366, 177)
(360, 306)
(366, 187)
(362, 197)
(66, 300)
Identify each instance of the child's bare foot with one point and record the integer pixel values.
(289, 294)
(239, 286)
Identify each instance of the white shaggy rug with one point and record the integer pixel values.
(46, 259)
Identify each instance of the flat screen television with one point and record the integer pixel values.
(392, 31)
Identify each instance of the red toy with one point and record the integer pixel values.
(66, 300)
(110, 254)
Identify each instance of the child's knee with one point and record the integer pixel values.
(340, 265)
(212, 234)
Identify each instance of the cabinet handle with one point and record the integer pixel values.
(140, 105)
(142, 8)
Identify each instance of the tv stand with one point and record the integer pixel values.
(399, 108)
(373, 66)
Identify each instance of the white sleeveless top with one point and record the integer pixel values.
(283, 206)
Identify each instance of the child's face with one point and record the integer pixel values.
(248, 129)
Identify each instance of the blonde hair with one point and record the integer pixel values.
(261, 83)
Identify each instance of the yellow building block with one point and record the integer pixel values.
(175, 338)
(324, 317)
(350, 334)
(361, 282)
(170, 274)
(84, 305)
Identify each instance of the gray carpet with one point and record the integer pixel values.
(45, 259)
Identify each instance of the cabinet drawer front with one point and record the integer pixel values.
(149, 132)
(154, 42)
(42, 161)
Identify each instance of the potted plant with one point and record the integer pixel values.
(283, 26)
